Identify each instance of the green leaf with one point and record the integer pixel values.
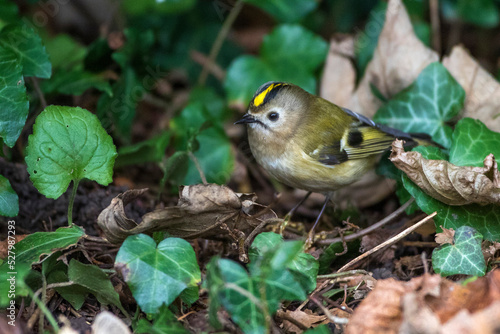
(286, 10)
(13, 277)
(175, 168)
(289, 53)
(166, 6)
(164, 322)
(76, 82)
(65, 52)
(25, 43)
(118, 110)
(214, 153)
(158, 275)
(321, 329)
(68, 144)
(464, 256)
(472, 142)
(151, 150)
(483, 13)
(74, 294)
(279, 270)
(9, 12)
(37, 244)
(485, 219)
(95, 281)
(14, 105)
(426, 105)
(9, 201)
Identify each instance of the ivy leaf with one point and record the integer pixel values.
(14, 105)
(287, 46)
(9, 201)
(464, 256)
(159, 274)
(286, 10)
(68, 144)
(277, 272)
(25, 43)
(484, 219)
(426, 105)
(472, 142)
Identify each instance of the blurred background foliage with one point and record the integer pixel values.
(167, 78)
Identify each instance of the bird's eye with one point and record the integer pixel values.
(273, 116)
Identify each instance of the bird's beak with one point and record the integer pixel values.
(247, 118)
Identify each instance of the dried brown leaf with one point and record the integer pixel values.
(306, 318)
(482, 90)
(203, 211)
(397, 61)
(445, 237)
(429, 304)
(448, 183)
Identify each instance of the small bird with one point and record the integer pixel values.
(309, 143)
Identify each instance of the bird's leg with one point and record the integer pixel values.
(290, 213)
(310, 236)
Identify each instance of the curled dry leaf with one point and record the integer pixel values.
(204, 211)
(429, 304)
(448, 183)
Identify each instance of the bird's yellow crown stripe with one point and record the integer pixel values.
(259, 99)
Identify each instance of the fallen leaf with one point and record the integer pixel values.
(482, 90)
(429, 304)
(4, 244)
(448, 183)
(397, 61)
(445, 237)
(307, 318)
(108, 323)
(203, 211)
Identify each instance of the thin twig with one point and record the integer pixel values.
(221, 37)
(213, 68)
(39, 92)
(335, 319)
(391, 241)
(198, 167)
(285, 316)
(45, 310)
(436, 29)
(344, 273)
(369, 229)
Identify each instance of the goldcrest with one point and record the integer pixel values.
(309, 143)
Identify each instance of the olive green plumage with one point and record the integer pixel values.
(310, 143)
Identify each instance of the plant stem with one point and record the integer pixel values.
(45, 311)
(224, 31)
(71, 201)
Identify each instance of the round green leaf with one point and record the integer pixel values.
(68, 144)
(291, 47)
(464, 256)
(158, 275)
(9, 201)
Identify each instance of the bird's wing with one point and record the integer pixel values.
(361, 139)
